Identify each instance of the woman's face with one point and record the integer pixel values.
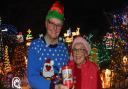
(79, 53)
(53, 27)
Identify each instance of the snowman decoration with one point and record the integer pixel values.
(48, 70)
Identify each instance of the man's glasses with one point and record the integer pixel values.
(55, 25)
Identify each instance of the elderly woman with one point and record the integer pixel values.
(85, 73)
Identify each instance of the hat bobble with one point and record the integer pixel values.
(56, 11)
(58, 7)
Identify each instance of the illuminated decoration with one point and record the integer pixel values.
(106, 78)
(20, 64)
(7, 66)
(8, 33)
(121, 21)
(125, 20)
(125, 64)
(94, 48)
(7, 43)
(40, 35)
(29, 38)
(1, 69)
(26, 61)
(20, 38)
(108, 40)
(69, 35)
(1, 40)
(11, 30)
(76, 33)
(119, 50)
(28, 43)
(1, 52)
(94, 55)
(125, 12)
(125, 60)
(16, 83)
(20, 53)
(103, 55)
(99, 53)
(89, 38)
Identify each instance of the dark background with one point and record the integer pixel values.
(92, 16)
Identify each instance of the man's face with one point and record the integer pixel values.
(79, 53)
(54, 27)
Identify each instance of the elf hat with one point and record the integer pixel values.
(80, 39)
(56, 11)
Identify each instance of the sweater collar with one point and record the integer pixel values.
(49, 45)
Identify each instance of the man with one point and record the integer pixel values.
(47, 54)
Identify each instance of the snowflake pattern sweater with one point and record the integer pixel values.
(45, 60)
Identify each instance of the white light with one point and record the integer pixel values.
(16, 83)
(5, 30)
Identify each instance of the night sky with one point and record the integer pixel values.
(92, 16)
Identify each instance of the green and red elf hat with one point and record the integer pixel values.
(56, 11)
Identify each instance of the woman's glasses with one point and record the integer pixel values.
(79, 50)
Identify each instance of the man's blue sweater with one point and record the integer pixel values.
(39, 52)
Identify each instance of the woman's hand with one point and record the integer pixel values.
(61, 86)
